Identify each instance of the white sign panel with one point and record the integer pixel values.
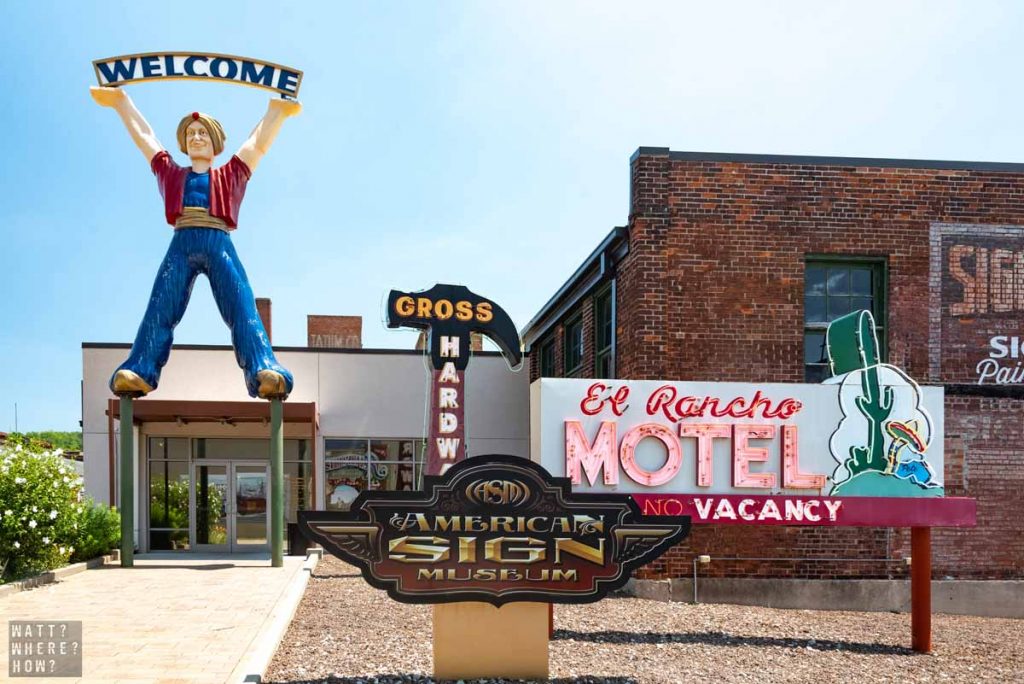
(872, 432)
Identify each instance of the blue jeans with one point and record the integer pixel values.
(210, 251)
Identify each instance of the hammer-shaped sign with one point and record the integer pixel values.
(449, 314)
(454, 311)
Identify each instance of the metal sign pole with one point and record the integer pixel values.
(921, 589)
(127, 483)
(276, 483)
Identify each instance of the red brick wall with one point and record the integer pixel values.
(585, 307)
(712, 289)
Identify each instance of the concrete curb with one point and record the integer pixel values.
(52, 576)
(983, 598)
(253, 665)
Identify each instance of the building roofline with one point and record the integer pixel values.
(809, 160)
(312, 350)
(594, 259)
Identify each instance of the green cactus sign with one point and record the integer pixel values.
(881, 443)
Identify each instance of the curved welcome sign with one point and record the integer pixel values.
(863, 448)
(151, 66)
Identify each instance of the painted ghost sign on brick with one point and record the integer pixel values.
(977, 308)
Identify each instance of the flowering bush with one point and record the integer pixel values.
(41, 509)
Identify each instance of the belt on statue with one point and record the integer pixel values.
(198, 217)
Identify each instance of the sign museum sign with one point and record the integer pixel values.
(495, 529)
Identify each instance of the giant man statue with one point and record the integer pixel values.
(201, 203)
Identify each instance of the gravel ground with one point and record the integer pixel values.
(345, 631)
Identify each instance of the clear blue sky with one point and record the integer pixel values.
(477, 143)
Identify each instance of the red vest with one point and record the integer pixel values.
(227, 187)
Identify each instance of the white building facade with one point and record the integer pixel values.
(355, 420)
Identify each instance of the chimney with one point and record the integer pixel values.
(334, 332)
(263, 307)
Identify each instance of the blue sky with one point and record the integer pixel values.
(477, 143)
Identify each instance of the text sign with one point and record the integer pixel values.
(976, 310)
(849, 511)
(44, 648)
(117, 71)
(495, 529)
(872, 432)
(450, 314)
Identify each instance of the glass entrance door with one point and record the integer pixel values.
(232, 506)
(251, 489)
(212, 506)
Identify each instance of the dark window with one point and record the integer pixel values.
(834, 287)
(604, 350)
(573, 345)
(547, 359)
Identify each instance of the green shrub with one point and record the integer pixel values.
(39, 509)
(99, 530)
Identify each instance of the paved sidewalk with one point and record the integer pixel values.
(169, 619)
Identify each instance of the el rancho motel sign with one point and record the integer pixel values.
(864, 448)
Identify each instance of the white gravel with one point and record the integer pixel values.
(346, 632)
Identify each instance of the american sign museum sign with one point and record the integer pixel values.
(865, 449)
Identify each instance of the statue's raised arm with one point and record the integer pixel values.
(140, 130)
(266, 130)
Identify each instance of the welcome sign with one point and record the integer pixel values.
(117, 71)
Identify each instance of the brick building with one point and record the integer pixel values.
(730, 268)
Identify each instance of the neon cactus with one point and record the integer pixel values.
(876, 405)
(853, 345)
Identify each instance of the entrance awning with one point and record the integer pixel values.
(223, 412)
(167, 411)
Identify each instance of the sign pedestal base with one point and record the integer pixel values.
(476, 640)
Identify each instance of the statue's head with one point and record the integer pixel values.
(200, 136)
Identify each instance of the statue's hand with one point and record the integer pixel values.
(285, 107)
(107, 97)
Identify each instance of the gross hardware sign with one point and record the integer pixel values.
(865, 449)
(118, 71)
(496, 529)
(449, 314)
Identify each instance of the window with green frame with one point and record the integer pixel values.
(573, 345)
(604, 350)
(547, 359)
(833, 287)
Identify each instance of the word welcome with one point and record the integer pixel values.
(116, 71)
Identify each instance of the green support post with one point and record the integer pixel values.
(127, 483)
(276, 483)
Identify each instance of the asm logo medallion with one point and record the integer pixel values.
(495, 529)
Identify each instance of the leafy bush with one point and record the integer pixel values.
(39, 509)
(43, 521)
(99, 530)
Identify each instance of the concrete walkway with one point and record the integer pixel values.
(171, 618)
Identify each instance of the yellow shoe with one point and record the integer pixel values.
(129, 383)
(272, 385)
